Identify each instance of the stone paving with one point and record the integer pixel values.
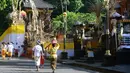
(122, 68)
(24, 65)
(17, 66)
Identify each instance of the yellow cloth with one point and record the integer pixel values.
(7, 53)
(3, 56)
(53, 51)
(10, 54)
(3, 52)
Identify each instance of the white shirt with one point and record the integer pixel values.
(10, 48)
(3, 46)
(37, 50)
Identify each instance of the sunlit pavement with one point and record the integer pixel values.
(24, 65)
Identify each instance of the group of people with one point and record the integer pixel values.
(8, 50)
(39, 52)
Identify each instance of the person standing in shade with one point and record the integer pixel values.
(37, 49)
(53, 53)
(10, 49)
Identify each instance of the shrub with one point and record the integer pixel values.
(71, 19)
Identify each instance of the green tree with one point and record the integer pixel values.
(88, 4)
(71, 19)
(72, 5)
(5, 9)
(96, 7)
(4, 4)
(75, 5)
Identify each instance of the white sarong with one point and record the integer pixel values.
(37, 61)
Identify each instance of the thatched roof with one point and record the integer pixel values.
(38, 3)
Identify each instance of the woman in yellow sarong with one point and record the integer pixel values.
(3, 50)
(53, 53)
(10, 50)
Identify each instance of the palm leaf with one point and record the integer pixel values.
(96, 7)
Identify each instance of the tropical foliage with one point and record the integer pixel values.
(75, 5)
(96, 7)
(4, 4)
(71, 19)
(5, 9)
(70, 5)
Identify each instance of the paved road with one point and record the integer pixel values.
(27, 66)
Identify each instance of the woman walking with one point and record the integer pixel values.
(53, 54)
(37, 54)
(10, 49)
(3, 50)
